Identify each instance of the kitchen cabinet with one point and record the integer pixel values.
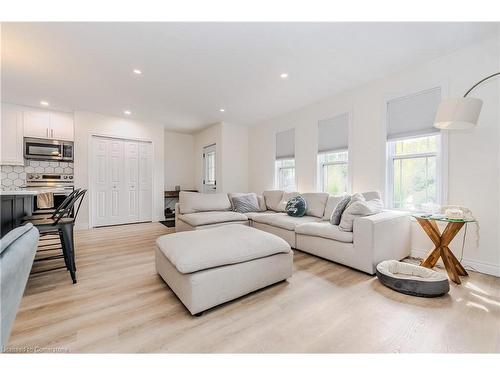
(14, 208)
(61, 126)
(11, 134)
(48, 124)
(36, 123)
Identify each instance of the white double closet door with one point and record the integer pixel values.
(121, 181)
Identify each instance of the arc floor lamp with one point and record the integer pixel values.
(460, 113)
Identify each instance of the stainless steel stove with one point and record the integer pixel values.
(60, 184)
(57, 183)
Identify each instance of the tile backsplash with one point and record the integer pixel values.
(14, 177)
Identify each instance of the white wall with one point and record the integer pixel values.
(234, 161)
(179, 160)
(231, 164)
(87, 124)
(206, 137)
(473, 172)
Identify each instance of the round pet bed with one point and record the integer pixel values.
(411, 279)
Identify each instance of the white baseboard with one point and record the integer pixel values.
(482, 267)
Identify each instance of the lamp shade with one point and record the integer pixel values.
(458, 113)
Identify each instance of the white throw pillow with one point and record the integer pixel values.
(359, 207)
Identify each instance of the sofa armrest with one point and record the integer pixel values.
(382, 237)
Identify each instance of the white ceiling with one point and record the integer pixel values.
(190, 70)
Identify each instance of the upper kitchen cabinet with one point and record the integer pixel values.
(61, 126)
(48, 124)
(11, 133)
(36, 123)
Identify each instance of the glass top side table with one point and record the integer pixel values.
(441, 242)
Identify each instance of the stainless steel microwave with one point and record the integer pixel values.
(48, 149)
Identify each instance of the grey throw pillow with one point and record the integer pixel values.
(339, 209)
(245, 203)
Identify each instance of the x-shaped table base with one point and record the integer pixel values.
(441, 242)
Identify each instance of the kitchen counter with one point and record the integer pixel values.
(32, 191)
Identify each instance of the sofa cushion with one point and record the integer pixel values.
(285, 198)
(359, 206)
(325, 230)
(331, 203)
(262, 203)
(229, 244)
(316, 203)
(211, 217)
(244, 202)
(190, 202)
(282, 220)
(252, 215)
(272, 198)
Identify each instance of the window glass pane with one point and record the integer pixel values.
(417, 145)
(332, 172)
(210, 168)
(414, 182)
(335, 178)
(285, 174)
(333, 157)
(288, 179)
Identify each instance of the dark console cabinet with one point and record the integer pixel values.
(14, 208)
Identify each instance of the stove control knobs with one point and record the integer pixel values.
(70, 177)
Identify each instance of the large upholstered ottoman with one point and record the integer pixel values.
(208, 267)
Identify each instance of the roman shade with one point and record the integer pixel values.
(285, 144)
(413, 114)
(333, 133)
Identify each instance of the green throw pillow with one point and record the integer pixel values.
(296, 206)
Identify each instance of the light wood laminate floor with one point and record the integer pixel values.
(121, 305)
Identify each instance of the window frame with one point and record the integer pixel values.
(278, 176)
(441, 167)
(321, 165)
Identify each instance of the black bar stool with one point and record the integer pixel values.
(62, 223)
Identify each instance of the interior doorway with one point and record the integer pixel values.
(209, 166)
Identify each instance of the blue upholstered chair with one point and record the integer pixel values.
(18, 248)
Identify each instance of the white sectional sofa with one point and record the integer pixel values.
(374, 238)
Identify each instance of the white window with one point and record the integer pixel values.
(414, 152)
(285, 174)
(285, 161)
(332, 172)
(333, 143)
(414, 172)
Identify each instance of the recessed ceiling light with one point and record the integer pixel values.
(127, 112)
(138, 71)
(44, 102)
(222, 110)
(284, 75)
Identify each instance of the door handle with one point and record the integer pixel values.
(52, 133)
(47, 131)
